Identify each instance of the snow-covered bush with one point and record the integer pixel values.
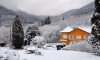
(38, 53)
(80, 46)
(38, 41)
(39, 45)
(6, 54)
(50, 33)
(5, 35)
(33, 51)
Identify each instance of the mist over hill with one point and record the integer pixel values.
(9, 15)
(82, 15)
(77, 12)
(75, 17)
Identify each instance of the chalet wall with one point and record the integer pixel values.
(74, 33)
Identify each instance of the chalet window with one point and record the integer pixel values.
(78, 37)
(85, 37)
(65, 36)
(70, 37)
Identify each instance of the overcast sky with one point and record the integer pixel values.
(44, 7)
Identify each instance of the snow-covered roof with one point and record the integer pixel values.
(87, 29)
(69, 29)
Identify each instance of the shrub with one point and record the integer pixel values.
(38, 41)
(80, 46)
(38, 53)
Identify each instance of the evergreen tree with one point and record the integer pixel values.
(95, 33)
(47, 21)
(17, 33)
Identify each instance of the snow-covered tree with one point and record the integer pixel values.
(31, 32)
(38, 40)
(5, 35)
(17, 33)
(50, 33)
(95, 33)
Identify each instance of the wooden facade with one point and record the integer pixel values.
(76, 35)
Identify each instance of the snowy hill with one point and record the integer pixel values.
(84, 10)
(7, 12)
(75, 17)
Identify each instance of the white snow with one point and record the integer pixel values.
(68, 29)
(38, 39)
(87, 29)
(51, 55)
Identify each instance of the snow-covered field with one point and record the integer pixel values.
(46, 55)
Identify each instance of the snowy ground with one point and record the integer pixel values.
(48, 55)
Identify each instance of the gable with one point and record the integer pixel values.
(70, 29)
(79, 32)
